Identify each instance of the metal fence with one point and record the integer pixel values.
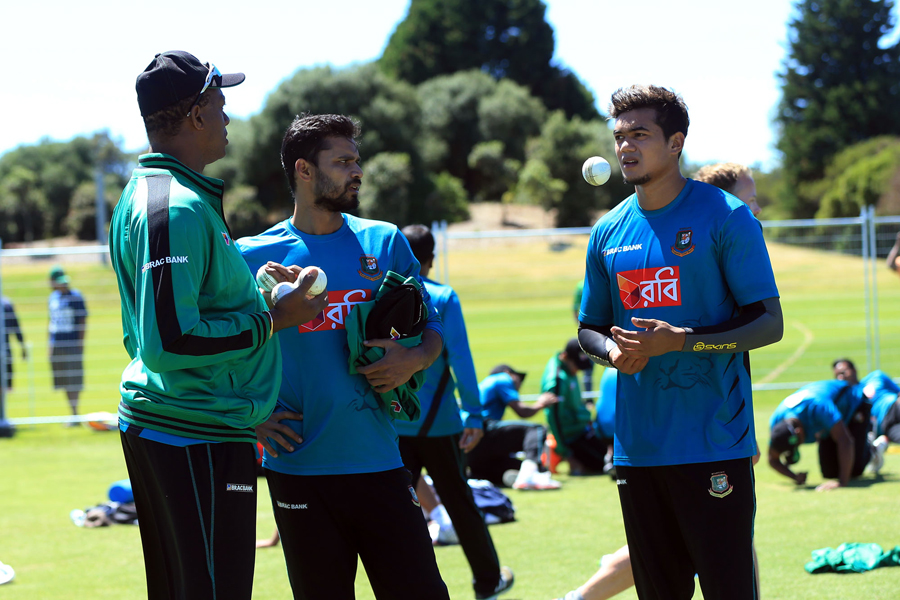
(837, 299)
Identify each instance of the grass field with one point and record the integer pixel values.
(517, 300)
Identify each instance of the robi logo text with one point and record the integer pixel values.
(650, 288)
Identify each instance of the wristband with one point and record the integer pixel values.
(271, 324)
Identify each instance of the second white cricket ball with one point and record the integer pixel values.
(596, 170)
(282, 289)
(318, 285)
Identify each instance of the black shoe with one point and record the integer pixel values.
(504, 585)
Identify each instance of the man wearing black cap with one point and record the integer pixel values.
(204, 372)
(570, 421)
(504, 441)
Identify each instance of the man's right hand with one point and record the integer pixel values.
(800, 478)
(295, 308)
(627, 364)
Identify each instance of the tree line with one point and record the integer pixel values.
(466, 105)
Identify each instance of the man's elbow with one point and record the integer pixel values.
(778, 330)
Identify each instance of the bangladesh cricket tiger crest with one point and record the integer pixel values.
(684, 243)
(369, 267)
(720, 486)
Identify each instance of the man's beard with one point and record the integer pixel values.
(642, 180)
(331, 197)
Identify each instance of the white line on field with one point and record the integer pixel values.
(808, 338)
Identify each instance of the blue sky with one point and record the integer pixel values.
(70, 67)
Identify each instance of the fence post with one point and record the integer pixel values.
(437, 272)
(445, 253)
(864, 216)
(100, 211)
(873, 255)
(6, 430)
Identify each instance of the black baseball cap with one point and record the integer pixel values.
(785, 441)
(174, 76)
(507, 369)
(576, 354)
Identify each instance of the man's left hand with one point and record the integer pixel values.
(657, 338)
(470, 438)
(395, 368)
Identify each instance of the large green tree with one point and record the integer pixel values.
(840, 86)
(503, 38)
(43, 179)
(563, 146)
(388, 112)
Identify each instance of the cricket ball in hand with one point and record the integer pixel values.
(318, 285)
(596, 170)
(282, 289)
(265, 281)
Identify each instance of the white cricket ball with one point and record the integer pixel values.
(264, 280)
(318, 285)
(282, 289)
(596, 170)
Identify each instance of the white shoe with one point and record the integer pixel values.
(509, 477)
(537, 481)
(877, 460)
(7, 573)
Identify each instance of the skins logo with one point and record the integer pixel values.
(644, 288)
(395, 406)
(720, 486)
(227, 239)
(369, 267)
(340, 303)
(684, 244)
(415, 499)
(700, 346)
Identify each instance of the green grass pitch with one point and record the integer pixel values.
(517, 299)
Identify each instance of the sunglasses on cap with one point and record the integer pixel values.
(213, 72)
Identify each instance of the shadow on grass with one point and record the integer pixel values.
(855, 483)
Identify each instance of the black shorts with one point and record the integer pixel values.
(862, 452)
(196, 507)
(498, 450)
(687, 519)
(890, 425)
(329, 522)
(66, 359)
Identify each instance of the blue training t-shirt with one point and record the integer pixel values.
(345, 428)
(882, 392)
(816, 406)
(691, 263)
(497, 391)
(451, 417)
